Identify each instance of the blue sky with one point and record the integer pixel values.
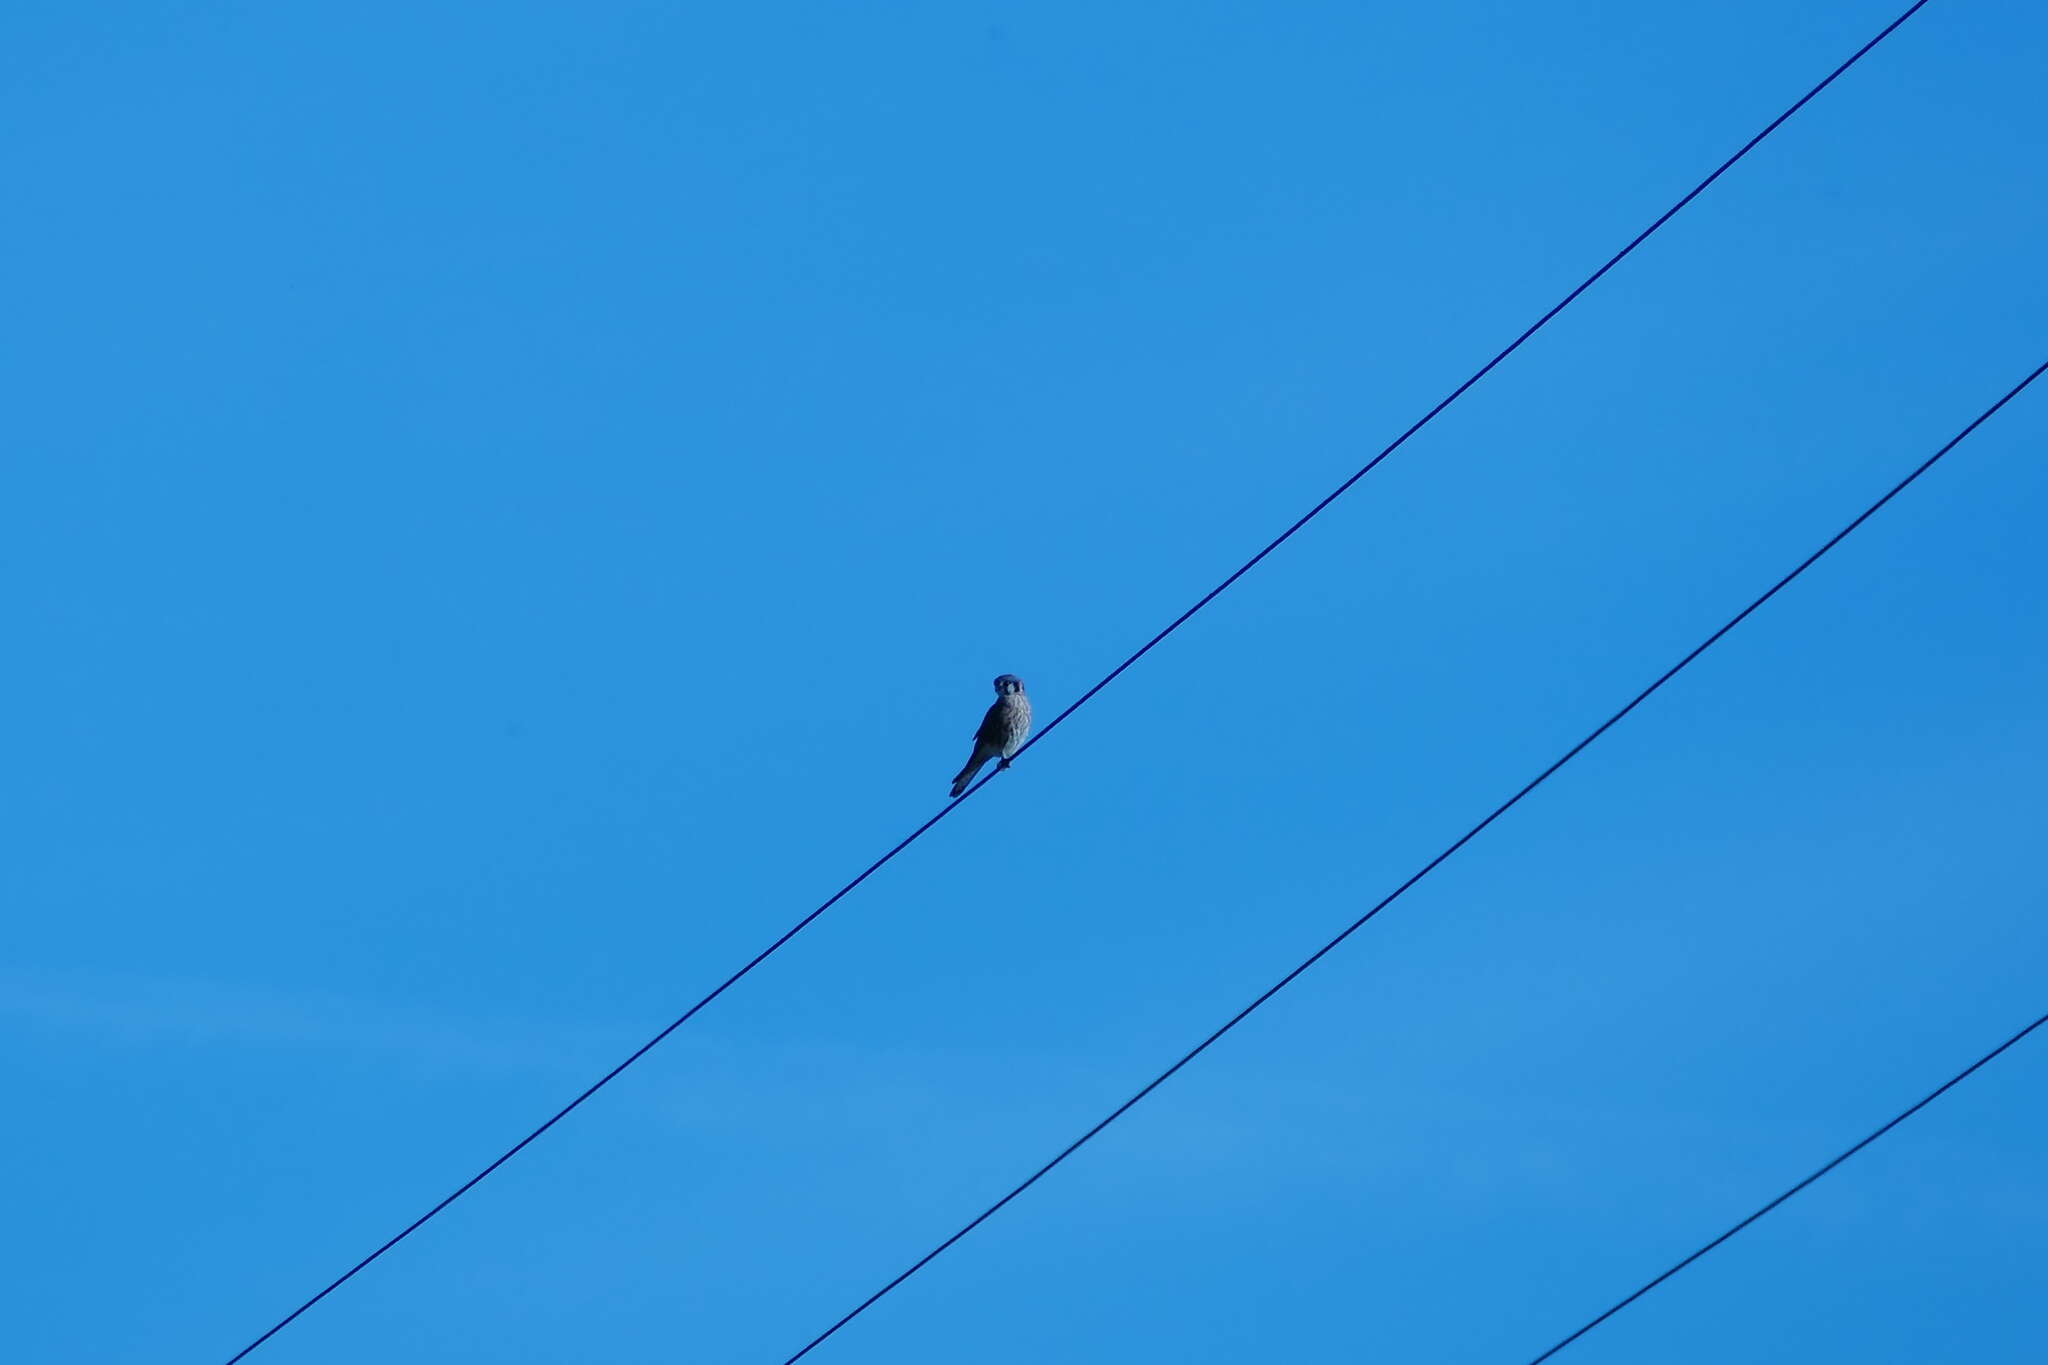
(504, 507)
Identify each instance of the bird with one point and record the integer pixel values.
(1002, 730)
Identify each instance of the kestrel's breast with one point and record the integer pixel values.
(1012, 716)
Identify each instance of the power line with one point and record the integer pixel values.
(1897, 1119)
(1085, 697)
(1467, 837)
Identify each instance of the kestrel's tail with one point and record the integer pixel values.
(967, 773)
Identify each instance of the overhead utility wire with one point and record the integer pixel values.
(1085, 697)
(1467, 837)
(1897, 1119)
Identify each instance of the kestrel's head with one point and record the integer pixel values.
(1009, 685)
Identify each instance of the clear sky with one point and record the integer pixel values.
(503, 507)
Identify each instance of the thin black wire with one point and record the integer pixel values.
(1895, 1121)
(1487, 368)
(1085, 697)
(1467, 837)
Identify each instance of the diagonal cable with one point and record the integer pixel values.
(466, 1186)
(1467, 837)
(1897, 1119)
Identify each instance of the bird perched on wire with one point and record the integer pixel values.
(1002, 730)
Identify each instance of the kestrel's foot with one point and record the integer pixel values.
(1002, 763)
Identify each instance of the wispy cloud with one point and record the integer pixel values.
(142, 1011)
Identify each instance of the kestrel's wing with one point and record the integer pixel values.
(991, 731)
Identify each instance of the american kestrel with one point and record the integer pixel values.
(1002, 730)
